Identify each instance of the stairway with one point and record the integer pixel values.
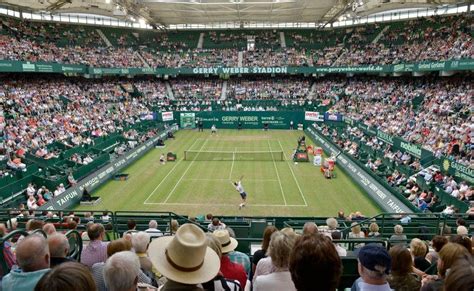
(142, 59)
(282, 39)
(169, 90)
(104, 38)
(376, 39)
(240, 60)
(224, 91)
(312, 91)
(201, 40)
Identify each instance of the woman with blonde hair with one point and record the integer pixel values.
(419, 250)
(174, 225)
(357, 233)
(279, 250)
(449, 255)
(374, 230)
(265, 266)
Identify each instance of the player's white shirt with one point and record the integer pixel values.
(213, 128)
(239, 187)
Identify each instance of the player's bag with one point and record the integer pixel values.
(222, 284)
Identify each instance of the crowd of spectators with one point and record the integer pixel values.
(276, 57)
(425, 39)
(441, 122)
(191, 58)
(264, 88)
(190, 259)
(44, 111)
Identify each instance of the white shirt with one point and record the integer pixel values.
(264, 267)
(154, 232)
(342, 252)
(274, 281)
(30, 191)
(31, 204)
(239, 187)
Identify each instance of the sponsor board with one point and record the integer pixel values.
(73, 195)
(383, 197)
(167, 116)
(313, 116)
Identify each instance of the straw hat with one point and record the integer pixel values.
(228, 243)
(185, 257)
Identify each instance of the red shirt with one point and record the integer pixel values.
(233, 271)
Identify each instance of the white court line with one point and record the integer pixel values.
(232, 167)
(169, 173)
(294, 177)
(182, 176)
(235, 149)
(278, 175)
(200, 179)
(223, 205)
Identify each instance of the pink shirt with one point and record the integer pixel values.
(94, 252)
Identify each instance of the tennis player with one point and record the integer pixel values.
(238, 186)
(213, 129)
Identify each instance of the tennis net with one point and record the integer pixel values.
(233, 156)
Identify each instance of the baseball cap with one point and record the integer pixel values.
(375, 258)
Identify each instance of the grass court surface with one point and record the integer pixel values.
(274, 188)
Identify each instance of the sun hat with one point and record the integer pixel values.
(228, 243)
(185, 257)
(375, 258)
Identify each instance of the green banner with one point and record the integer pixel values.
(187, 120)
(457, 170)
(248, 119)
(40, 67)
(44, 67)
(121, 71)
(397, 143)
(446, 165)
(454, 65)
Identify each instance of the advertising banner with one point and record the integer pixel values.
(382, 196)
(40, 67)
(45, 67)
(313, 116)
(333, 116)
(73, 195)
(187, 120)
(167, 116)
(248, 119)
(457, 169)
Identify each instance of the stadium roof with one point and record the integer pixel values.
(168, 12)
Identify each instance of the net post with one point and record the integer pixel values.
(185, 155)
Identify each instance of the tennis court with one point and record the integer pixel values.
(200, 180)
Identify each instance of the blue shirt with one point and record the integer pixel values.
(17, 280)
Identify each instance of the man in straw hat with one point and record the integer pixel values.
(229, 269)
(184, 259)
